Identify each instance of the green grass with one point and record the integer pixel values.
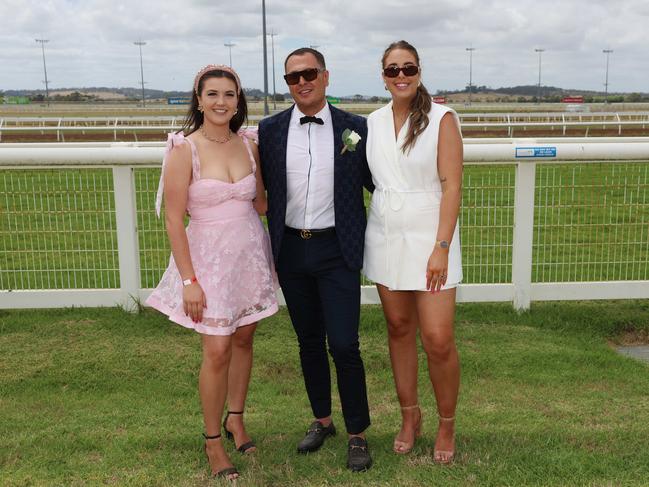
(57, 227)
(99, 396)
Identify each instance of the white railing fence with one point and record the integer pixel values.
(513, 123)
(547, 219)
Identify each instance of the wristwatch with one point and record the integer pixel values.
(189, 281)
(443, 244)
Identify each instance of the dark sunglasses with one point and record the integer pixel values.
(393, 71)
(308, 75)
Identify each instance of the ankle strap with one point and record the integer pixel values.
(234, 412)
(211, 437)
(407, 408)
(442, 418)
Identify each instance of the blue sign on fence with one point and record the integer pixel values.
(179, 101)
(522, 152)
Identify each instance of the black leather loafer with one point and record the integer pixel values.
(358, 455)
(315, 437)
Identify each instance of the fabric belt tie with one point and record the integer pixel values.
(393, 200)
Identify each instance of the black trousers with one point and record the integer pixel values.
(323, 299)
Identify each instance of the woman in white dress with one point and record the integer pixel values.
(412, 244)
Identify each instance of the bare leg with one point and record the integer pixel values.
(401, 317)
(213, 385)
(436, 316)
(238, 381)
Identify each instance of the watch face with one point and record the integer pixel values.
(443, 244)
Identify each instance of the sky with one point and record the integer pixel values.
(91, 41)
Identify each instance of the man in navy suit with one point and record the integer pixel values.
(316, 220)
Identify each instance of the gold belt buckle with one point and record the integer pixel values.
(306, 234)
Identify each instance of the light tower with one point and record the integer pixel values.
(42, 42)
(470, 49)
(538, 92)
(230, 45)
(141, 43)
(608, 53)
(263, 16)
(272, 50)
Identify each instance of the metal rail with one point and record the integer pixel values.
(513, 123)
(527, 156)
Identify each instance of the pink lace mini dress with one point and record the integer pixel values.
(230, 252)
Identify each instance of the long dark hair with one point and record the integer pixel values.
(194, 118)
(420, 104)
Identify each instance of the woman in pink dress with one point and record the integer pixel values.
(220, 281)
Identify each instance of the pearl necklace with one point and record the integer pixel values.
(214, 139)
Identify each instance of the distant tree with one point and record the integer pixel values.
(37, 98)
(374, 99)
(632, 98)
(358, 97)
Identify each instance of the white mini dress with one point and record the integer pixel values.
(404, 211)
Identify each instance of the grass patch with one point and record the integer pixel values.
(100, 396)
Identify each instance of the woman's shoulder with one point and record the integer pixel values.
(249, 133)
(178, 146)
(440, 110)
(384, 111)
(380, 114)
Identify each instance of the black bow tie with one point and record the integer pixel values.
(309, 119)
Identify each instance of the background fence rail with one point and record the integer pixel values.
(511, 123)
(77, 226)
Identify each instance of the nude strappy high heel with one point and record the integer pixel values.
(444, 457)
(402, 447)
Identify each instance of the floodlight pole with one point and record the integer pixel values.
(272, 50)
(42, 42)
(470, 49)
(230, 45)
(607, 52)
(263, 16)
(538, 93)
(140, 43)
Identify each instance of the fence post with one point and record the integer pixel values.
(127, 239)
(523, 234)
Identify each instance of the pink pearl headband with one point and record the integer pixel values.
(220, 67)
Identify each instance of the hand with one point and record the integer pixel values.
(194, 301)
(437, 269)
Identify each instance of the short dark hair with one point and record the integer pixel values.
(307, 50)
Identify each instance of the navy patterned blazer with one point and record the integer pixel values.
(351, 173)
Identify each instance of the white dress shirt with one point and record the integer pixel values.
(310, 172)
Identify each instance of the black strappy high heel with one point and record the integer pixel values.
(226, 471)
(242, 448)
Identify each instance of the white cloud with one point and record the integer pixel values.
(91, 42)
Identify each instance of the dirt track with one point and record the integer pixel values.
(467, 133)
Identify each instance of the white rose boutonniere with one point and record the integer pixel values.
(350, 139)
